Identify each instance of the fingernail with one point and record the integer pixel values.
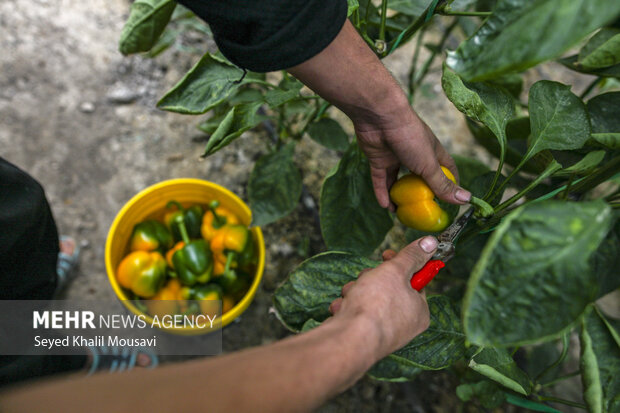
(428, 244)
(462, 195)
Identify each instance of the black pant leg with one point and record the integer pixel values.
(28, 238)
(28, 255)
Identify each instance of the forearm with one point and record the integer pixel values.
(350, 76)
(296, 374)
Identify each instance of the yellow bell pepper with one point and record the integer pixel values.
(142, 272)
(416, 205)
(215, 219)
(168, 300)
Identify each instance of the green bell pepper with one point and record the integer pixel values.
(192, 217)
(193, 263)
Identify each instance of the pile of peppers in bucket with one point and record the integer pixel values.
(194, 254)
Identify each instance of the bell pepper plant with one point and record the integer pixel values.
(544, 243)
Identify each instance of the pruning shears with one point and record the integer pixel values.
(445, 251)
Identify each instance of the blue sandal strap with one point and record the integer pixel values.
(114, 359)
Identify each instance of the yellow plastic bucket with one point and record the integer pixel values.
(150, 203)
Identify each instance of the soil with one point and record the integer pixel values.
(81, 119)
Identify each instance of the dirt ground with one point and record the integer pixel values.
(81, 119)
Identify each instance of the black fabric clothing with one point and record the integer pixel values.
(28, 238)
(28, 255)
(264, 36)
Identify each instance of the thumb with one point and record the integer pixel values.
(443, 187)
(413, 257)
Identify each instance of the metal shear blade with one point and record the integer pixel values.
(445, 248)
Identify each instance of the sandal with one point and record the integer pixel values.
(66, 264)
(115, 359)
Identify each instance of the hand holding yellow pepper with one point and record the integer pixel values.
(416, 205)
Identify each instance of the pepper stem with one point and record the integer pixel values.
(483, 209)
(181, 223)
(170, 204)
(218, 221)
(229, 258)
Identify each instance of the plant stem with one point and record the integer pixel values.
(565, 343)
(387, 26)
(414, 64)
(367, 11)
(424, 70)
(590, 87)
(508, 178)
(605, 172)
(568, 185)
(482, 208)
(356, 17)
(490, 195)
(409, 31)
(263, 83)
(447, 12)
(322, 110)
(562, 401)
(553, 167)
(613, 195)
(561, 378)
(384, 4)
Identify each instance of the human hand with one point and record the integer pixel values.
(395, 136)
(349, 75)
(392, 313)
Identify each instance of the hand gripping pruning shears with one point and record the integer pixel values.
(445, 251)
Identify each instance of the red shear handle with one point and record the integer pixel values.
(426, 274)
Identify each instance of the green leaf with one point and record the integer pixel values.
(602, 50)
(209, 126)
(442, 344)
(558, 118)
(412, 8)
(599, 364)
(352, 5)
(571, 63)
(512, 82)
(147, 20)
(275, 186)
(466, 256)
(247, 95)
(303, 300)
(480, 186)
(535, 263)
(211, 81)
(585, 165)
(603, 111)
(498, 365)
(488, 393)
(610, 140)
(482, 102)
(329, 133)
(393, 370)
(277, 97)
(239, 119)
(309, 325)
(469, 169)
(605, 262)
(517, 132)
(314, 284)
(522, 33)
(165, 41)
(351, 218)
